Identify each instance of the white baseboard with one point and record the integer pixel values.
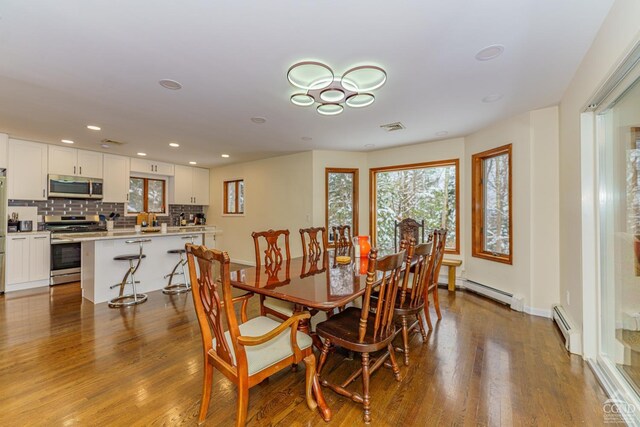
(538, 312)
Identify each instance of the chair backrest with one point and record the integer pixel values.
(439, 241)
(211, 290)
(342, 238)
(408, 229)
(386, 269)
(316, 246)
(273, 252)
(420, 257)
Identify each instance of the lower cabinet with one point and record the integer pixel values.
(28, 260)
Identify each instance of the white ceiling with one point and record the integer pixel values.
(65, 64)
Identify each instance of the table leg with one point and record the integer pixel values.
(325, 412)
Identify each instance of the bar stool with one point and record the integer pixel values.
(133, 298)
(178, 288)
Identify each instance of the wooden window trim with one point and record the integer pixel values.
(436, 163)
(477, 205)
(356, 198)
(145, 198)
(236, 183)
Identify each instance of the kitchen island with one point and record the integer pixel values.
(99, 271)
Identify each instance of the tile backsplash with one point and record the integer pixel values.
(96, 207)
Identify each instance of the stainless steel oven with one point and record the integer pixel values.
(65, 261)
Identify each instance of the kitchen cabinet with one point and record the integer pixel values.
(4, 150)
(190, 186)
(27, 170)
(28, 258)
(115, 185)
(151, 167)
(74, 162)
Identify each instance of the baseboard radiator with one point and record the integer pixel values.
(489, 292)
(572, 335)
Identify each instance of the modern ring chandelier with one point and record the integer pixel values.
(329, 91)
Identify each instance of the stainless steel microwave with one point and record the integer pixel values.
(75, 187)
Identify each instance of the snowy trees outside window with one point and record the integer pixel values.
(342, 200)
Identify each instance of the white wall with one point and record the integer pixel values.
(278, 194)
(618, 34)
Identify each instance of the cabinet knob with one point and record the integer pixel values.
(80, 170)
(74, 170)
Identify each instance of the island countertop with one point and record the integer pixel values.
(130, 233)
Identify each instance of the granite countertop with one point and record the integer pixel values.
(26, 233)
(128, 233)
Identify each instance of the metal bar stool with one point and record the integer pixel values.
(133, 298)
(178, 288)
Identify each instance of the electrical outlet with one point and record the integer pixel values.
(568, 298)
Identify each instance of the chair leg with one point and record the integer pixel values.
(436, 302)
(422, 331)
(425, 310)
(262, 308)
(206, 391)
(323, 355)
(394, 364)
(366, 400)
(310, 363)
(243, 403)
(405, 340)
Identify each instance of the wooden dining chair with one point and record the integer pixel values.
(249, 351)
(342, 239)
(314, 250)
(407, 229)
(274, 259)
(365, 332)
(437, 252)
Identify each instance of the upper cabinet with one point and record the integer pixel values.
(191, 186)
(4, 150)
(151, 167)
(115, 187)
(71, 161)
(27, 170)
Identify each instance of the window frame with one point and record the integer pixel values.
(477, 204)
(225, 191)
(145, 199)
(356, 198)
(432, 164)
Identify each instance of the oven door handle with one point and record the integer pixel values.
(55, 241)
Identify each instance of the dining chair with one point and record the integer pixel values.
(273, 261)
(407, 229)
(365, 332)
(437, 252)
(314, 250)
(342, 239)
(248, 352)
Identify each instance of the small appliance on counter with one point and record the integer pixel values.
(25, 225)
(200, 219)
(13, 225)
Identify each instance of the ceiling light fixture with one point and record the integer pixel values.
(170, 84)
(66, 141)
(442, 133)
(492, 98)
(226, 156)
(490, 52)
(93, 127)
(142, 154)
(174, 144)
(193, 163)
(323, 87)
(105, 146)
(258, 120)
(369, 145)
(306, 138)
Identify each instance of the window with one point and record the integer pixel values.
(491, 226)
(422, 191)
(146, 195)
(341, 199)
(234, 197)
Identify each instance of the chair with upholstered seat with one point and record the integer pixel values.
(314, 250)
(274, 261)
(365, 332)
(247, 352)
(342, 239)
(408, 229)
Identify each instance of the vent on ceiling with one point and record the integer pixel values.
(112, 142)
(393, 126)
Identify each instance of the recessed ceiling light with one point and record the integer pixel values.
(490, 52)
(492, 98)
(93, 127)
(442, 133)
(306, 138)
(193, 163)
(226, 156)
(67, 141)
(142, 154)
(174, 144)
(258, 120)
(369, 145)
(170, 84)
(105, 146)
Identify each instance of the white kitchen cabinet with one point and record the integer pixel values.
(115, 186)
(151, 167)
(191, 186)
(74, 162)
(4, 150)
(27, 170)
(28, 259)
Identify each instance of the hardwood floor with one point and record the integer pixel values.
(64, 361)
